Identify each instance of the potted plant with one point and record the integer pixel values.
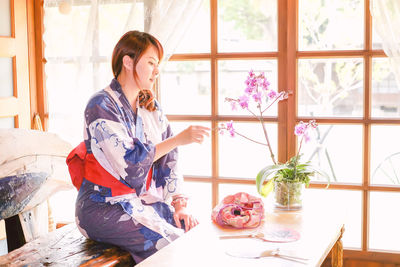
(286, 179)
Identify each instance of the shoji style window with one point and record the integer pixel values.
(328, 54)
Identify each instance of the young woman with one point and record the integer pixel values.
(126, 168)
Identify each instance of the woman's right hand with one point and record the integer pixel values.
(193, 134)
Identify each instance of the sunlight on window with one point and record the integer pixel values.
(384, 225)
(247, 26)
(385, 154)
(241, 158)
(321, 24)
(199, 200)
(385, 98)
(330, 87)
(6, 77)
(232, 75)
(325, 150)
(186, 87)
(197, 36)
(194, 159)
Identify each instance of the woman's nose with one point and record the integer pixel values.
(156, 71)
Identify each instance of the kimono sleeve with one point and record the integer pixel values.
(123, 155)
(174, 179)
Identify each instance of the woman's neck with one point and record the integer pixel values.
(129, 87)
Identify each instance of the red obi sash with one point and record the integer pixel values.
(81, 164)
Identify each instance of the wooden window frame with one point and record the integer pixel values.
(287, 57)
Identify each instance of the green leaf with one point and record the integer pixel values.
(263, 175)
(311, 168)
(267, 188)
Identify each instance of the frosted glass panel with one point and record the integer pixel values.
(7, 123)
(5, 18)
(6, 77)
(384, 223)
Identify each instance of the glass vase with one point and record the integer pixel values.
(288, 195)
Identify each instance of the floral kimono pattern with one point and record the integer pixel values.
(123, 143)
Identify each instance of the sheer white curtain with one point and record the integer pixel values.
(386, 20)
(79, 38)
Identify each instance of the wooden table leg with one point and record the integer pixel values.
(337, 252)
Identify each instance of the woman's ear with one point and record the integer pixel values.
(127, 62)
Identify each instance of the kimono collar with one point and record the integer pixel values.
(116, 86)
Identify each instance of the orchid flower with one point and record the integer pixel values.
(257, 91)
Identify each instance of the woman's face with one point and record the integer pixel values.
(147, 68)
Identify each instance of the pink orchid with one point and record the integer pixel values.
(272, 94)
(244, 101)
(257, 97)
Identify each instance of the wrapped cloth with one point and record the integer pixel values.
(240, 210)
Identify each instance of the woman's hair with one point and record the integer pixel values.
(134, 44)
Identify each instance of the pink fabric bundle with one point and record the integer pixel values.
(240, 210)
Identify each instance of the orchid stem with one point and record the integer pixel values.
(249, 138)
(276, 98)
(266, 135)
(297, 156)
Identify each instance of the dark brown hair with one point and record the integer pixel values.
(134, 44)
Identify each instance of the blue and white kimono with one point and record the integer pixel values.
(123, 143)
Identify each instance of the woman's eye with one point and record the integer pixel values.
(151, 63)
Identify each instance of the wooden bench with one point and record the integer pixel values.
(66, 247)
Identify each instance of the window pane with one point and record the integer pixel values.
(330, 87)
(130, 17)
(7, 123)
(65, 108)
(232, 75)
(6, 77)
(186, 87)
(64, 35)
(376, 39)
(194, 159)
(247, 26)
(350, 202)
(327, 151)
(385, 154)
(385, 91)
(5, 15)
(197, 36)
(384, 224)
(199, 202)
(241, 158)
(331, 25)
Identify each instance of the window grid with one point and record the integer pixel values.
(287, 57)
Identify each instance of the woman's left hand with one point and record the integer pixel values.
(182, 214)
